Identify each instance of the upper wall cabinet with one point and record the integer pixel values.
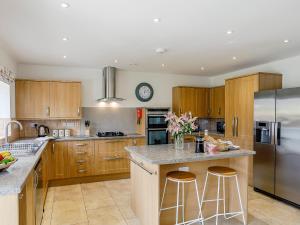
(65, 100)
(190, 99)
(32, 99)
(48, 100)
(217, 102)
(201, 102)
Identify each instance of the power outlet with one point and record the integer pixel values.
(184, 168)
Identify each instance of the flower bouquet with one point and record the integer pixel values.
(179, 126)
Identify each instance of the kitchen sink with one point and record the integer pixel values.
(22, 147)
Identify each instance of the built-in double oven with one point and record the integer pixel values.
(156, 126)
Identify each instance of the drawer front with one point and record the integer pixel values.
(111, 157)
(81, 158)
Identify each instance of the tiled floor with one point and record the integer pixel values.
(108, 203)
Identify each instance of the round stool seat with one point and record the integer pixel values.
(181, 176)
(222, 170)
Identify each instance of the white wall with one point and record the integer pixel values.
(8, 61)
(5, 100)
(126, 83)
(289, 67)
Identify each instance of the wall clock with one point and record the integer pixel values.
(144, 92)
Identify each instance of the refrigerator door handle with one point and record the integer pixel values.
(272, 133)
(277, 133)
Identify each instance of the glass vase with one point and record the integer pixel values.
(179, 142)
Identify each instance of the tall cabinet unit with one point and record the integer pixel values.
(217, 102)
(239, 107)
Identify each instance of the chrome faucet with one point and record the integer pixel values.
(6, 128)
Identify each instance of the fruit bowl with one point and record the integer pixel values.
(4, 166)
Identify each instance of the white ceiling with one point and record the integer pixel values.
(193, 32)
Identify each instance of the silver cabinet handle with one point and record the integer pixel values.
(219, 111)
(48, 111)
(233, 126)
(81, 161)
(78, 111)
(53, 146)
(237, 127)
(113, 158)
(81, 171)
(81, 144)
(80, 153)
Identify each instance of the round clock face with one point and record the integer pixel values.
(144, 92)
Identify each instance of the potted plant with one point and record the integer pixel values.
(180, 126)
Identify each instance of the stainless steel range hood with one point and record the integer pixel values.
(109, 85)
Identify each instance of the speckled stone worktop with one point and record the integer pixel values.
(13, 179)
(166, 154)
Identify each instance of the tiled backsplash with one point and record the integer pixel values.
(30, 131)
(208, 124)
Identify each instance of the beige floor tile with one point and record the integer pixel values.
(122, 199)
(67, 205)
(61, 195)
(95, 202)
(69, 217)
(105, 216)
(46, 221)
(127, 212)
(133, 222)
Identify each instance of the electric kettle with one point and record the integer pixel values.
(43, 131)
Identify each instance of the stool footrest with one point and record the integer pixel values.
(172, 207)
(213, 200)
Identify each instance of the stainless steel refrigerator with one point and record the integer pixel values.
(277, 143)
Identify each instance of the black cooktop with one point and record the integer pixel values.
(110, 134)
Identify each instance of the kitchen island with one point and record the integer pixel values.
(150, 164)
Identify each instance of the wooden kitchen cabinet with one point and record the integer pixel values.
(59, 161)
(137, 142)
(111, 157)
(190, 99)
(32, 99)
(81, 158)
(217, 102)
(22, 207)
(65, 100)
(48, 100)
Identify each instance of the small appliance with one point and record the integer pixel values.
(43, 131)
(220, 127)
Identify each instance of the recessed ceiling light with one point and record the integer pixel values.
(156, 20)
(163, 65)
(286, 41)
(234, 58)
(116, 61)
(64, 56)
(65, 39)
(65, 5)
(229, 32)
(160, 50)
(202, 68)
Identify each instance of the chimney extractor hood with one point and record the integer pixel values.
(109, 85)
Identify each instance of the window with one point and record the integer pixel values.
(4, 106)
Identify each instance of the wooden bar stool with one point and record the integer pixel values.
(223, 172)
(182, 178)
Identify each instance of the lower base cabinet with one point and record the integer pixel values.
(111, 157)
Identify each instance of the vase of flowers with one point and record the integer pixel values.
(180, 126)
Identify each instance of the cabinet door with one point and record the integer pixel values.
(111, 157)
(244, 109)
(22, 207)
(217, 102)
(137, 142)
(65, 100)
(45, 163)
(201, 102)
(32, 99)
(59, 159)
(81, 158)
(231, 92)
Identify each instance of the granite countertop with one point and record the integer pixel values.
(166, 154)
(87, 138)
(210, 132)
(13, 179)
